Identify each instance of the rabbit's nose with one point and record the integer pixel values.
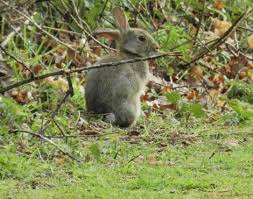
(156, 47)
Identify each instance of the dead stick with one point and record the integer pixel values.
(222, 39)
(200, 22)
(39, 27)
(48, 140)
(62, 72)
(17, 60)
(70, 92)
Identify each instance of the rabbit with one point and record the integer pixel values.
(115, 91)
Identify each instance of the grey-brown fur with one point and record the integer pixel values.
(117, 90)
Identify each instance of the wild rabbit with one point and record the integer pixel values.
(116, 90)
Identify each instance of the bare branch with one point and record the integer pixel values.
(39, 27)
(47, 140)
(200, 22)
(80, 69)
(221, 40)
(17, 60)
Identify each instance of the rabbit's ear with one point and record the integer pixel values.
(107, 33)
(120, 19)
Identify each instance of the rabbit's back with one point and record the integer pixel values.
(108, 89)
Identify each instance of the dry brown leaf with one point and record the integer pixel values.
(235, 65)
(193, 95)
(145, 98)
(218, 4)
(59, 83)
(152, 160)
(213, 95)
(168, 106)
(250, 41)
(59, 161)
(21, 96)
(60, 56)
(134, 133)
(220, 27)
(97, 50)
(166, 89)
(218, 80)
(37, 68)
(195, 73)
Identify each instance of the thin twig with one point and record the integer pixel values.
(10, 36)
(247, 29)
(17, 60)
(150, 17)
(133, 158)
(48, 140)
(81, 20)
(61, 130)
(200, 22)
(102, 11)
(80, 69)
(221, 40)
(39, 27)
(70, 92)
(91, 36)
(83, 29)
(63, 30)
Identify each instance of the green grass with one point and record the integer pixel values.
(203, 161)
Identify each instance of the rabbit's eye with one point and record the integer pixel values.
(142, 38)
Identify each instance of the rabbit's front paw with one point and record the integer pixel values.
(110, 117)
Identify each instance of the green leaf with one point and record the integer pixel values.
(173, 97)
(241, 91)
(92, 14)
(95, 151)
(195, 109)
(12, 107)
(241, 109)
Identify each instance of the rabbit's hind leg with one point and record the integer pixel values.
(127, 114)
(110, 117)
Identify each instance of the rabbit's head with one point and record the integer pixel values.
(133, 41)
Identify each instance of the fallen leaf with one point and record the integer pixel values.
(250, 41)
(134, 133)
(168, 106)
(193, 95)
(218, 4)
(59, 161)
(59, 83)
(166, 89)
(152, 160)
(220, 27)
(21, 96)
(37, 68)
(196, 72)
